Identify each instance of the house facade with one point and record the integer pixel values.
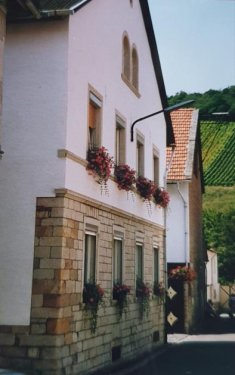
(184, 218)
(75, 78)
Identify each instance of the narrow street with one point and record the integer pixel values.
(210, 353)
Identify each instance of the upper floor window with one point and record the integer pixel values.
(130, 65)
(135, 69)
(140, 155)
(120, 141)
(155, 166)
(126, 58)
(94, 121)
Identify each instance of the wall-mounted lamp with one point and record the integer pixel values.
(167, 109)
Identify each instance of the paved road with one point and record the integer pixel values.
(194, 355)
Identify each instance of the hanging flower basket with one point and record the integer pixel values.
(100, 165)
(161, 197)
(143, 293)
(124, 177)
(159, 290)
(93, 297)
(182, 273)
(120, 293)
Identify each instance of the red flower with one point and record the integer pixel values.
(124, 176)
(145, 187)
(161, 197)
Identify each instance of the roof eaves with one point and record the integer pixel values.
(157, 68)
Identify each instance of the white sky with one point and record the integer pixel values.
(196, 43)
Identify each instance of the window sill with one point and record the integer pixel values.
(131, 87)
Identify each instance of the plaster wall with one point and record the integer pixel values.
(177, 243)
(95, 58)
(34, 116)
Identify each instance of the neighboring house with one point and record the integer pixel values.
(213, 286)
(184, 240)
(77, 74)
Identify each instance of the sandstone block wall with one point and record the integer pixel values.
(59, 340)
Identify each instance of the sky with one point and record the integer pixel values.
(196, 43)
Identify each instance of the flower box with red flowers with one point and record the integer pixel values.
(124, 177)
(100, 164)
(183, 273)
(161, 197)
(145, 187)
(92, 297)
(120, 293)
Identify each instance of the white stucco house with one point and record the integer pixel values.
(184, 238)
(77, 74)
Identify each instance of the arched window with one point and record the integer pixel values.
(135, 68)
(126, 58)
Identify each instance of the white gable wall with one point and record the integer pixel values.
(177, 227)
(95, 58)
(34, 115)
(47, 72)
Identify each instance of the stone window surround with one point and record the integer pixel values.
(129, 80)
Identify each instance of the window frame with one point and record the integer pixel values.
(140, 154)
(156, 169)
(120, 140)
(87, 262)
(156, 265)
(117, 261)
(95, 108)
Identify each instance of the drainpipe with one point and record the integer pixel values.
(165, 273)
(186, 250)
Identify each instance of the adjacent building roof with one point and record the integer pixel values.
(23, 10)
(185, 125)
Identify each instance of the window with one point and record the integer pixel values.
(140, 155)
(130, 65)
(126, 58)
(90, 257)
(135, 69)
(120, 142)
(94, 121)
(155, 265)
(155, 166)
(117, 260)
(139, 262)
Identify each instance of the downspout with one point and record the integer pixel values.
(165, 271)
(186, 249)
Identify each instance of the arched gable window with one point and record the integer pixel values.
(135, 68)
(126, 58)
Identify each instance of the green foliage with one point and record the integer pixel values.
(209, 102)
(218, 145)
(219, 228)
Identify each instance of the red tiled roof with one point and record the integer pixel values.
(181, 121)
